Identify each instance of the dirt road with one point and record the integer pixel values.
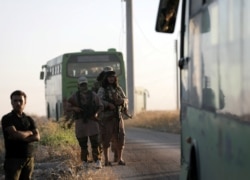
(150, 155)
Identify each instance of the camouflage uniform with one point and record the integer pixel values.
(112, 120)
(88, 126)
(95, 88)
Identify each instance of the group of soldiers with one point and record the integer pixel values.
(98, 115)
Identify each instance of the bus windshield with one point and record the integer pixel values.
(90, 66)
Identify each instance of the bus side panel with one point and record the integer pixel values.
(53, 85)
(53, 95)
(222, 152)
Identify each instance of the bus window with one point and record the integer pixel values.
(48, 73)
(90, 69)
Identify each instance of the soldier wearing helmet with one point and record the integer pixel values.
(113, 98)
(86, 105)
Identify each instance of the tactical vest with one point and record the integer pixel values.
(89, 109)
(109, 95)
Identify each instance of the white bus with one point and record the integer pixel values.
(214, 62)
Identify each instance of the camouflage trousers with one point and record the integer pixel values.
(94, 141)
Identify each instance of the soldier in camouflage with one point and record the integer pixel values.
(113, 98)
(95, 88)
(86, 106)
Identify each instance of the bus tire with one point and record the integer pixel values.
(193, 168)
(57, 112)
(48, 111)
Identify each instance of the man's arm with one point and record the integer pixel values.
(34, 137)
(71, 105)
(122, 99)
(28, 136)
(99, 104)
(18, 135)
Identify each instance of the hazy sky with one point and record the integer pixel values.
(33, 32)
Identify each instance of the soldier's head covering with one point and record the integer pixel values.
(108, 68)
(102, 74)
(109, 71)
(82, 79)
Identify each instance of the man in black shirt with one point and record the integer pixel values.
(19, 132)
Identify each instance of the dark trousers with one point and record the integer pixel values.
(18, 168)
(94, 141)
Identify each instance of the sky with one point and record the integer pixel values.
(33, 32)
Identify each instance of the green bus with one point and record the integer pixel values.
(214, 60)
(60, 75)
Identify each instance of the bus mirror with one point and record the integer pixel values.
(166, 17)
(41, 75)
(205, 21)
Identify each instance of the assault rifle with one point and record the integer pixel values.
(123, 107)
(89, 109)
(120, 107)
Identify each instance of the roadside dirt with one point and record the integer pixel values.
(148, 155)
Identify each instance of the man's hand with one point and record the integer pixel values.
(111, 106)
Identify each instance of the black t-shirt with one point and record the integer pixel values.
(17, 148)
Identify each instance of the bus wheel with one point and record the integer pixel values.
(193, 171)
(48, 111)
(57, 112)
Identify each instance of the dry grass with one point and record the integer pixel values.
(165, 121)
